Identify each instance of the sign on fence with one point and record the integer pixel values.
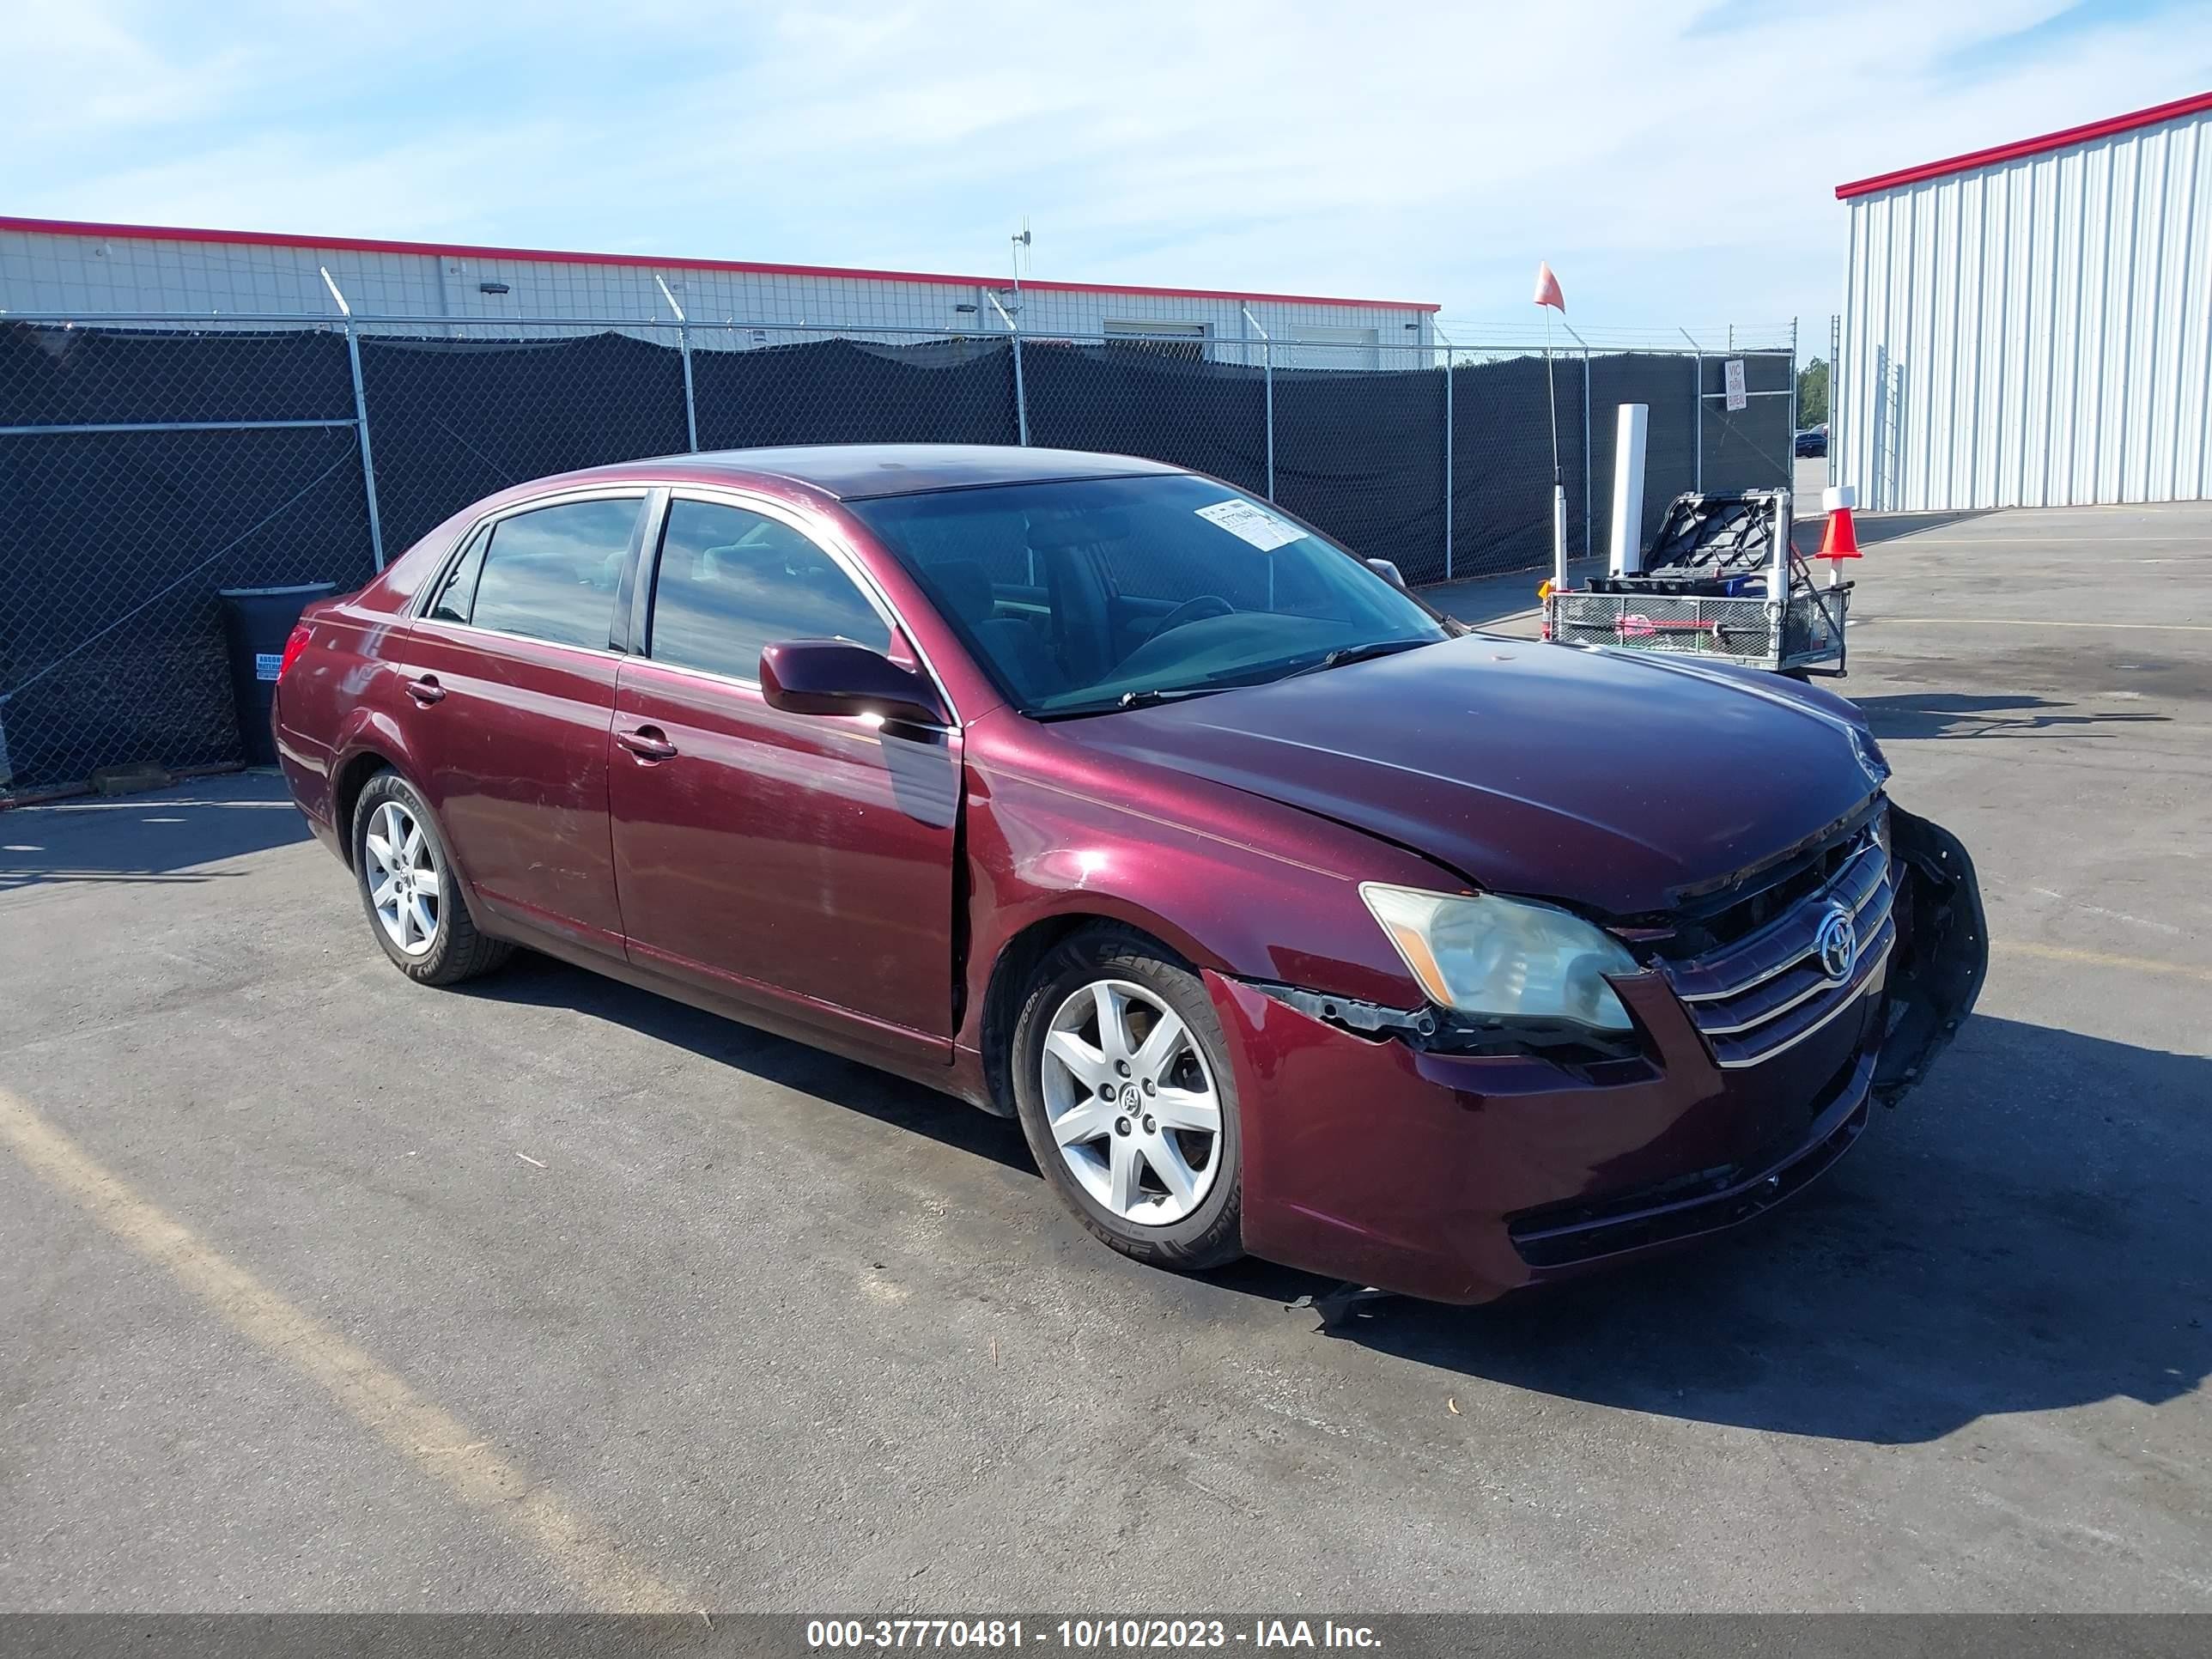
(1732, 378)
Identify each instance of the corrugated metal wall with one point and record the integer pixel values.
(48, 273)
(2037, 333)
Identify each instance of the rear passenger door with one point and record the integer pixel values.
(803, 862)
(509, 676)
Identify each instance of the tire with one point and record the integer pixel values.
(1140, 1183)
(452, 949)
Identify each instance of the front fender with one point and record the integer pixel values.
(1248, 906)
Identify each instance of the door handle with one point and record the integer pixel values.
(426, 690)
(647, 743)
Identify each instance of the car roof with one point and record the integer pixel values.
(859, 472)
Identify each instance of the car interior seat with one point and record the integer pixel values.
(964, 588)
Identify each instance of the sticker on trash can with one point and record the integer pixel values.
(266, 663)
(1251, 523)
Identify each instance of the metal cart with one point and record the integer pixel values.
(1720, 580)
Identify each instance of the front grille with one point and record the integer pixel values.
(1769, 990)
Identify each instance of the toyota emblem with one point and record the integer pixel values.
(1838, 943)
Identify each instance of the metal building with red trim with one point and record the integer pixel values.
(2030, 325)
(52, 267)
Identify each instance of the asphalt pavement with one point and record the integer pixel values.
(323, 1289)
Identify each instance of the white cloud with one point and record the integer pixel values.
(1675, 162)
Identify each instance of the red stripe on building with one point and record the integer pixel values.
(2196, 105)
(559, 256)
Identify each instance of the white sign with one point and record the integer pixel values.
(266, 663)
(1252, 523)
(1732, 376)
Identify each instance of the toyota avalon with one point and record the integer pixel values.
(1285, 915)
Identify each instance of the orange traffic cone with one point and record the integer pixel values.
(1838, 539)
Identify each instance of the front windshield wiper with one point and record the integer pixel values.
(1144, 698)
(1349, 653)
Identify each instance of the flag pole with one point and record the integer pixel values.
(1558, 478)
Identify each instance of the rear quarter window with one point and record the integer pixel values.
(551, 573)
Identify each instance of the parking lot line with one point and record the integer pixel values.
(2099, 959)
(427, 1437)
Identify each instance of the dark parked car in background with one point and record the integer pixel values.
(1285, 915)
(1814, 440)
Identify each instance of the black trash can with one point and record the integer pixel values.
(256, 623)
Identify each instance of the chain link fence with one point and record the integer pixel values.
(147, 464)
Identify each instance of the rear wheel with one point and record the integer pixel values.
(409, 891)
(1124, 1092)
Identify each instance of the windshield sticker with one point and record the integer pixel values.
(1250, 523)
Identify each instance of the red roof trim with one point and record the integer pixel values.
(2196, 105)
(549, 256)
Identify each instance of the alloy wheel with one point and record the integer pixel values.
(1131, 1102)
(402, 879)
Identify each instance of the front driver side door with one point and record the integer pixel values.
(801, 861)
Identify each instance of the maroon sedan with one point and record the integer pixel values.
(1285, 915)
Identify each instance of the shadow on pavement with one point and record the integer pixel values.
(1908, 714)
(1872, 528)
(2025, 1233)
(540, 981)
(168, 835)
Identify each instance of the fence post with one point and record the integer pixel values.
(360, 421)
(683, 343)
(1021, 391)
(1267, 376)
(1589, 546)
(1448, 454)
(1789, 472)
(1697, 411)
(1589, 462)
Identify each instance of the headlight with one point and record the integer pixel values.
(1504, 957)
(1872, 761)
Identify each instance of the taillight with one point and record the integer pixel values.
(293, 647)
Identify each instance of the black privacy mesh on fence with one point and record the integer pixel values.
(452, 421)
(225, 456)
(1360, 454)
(114, 543)
(1501, 464)
(1670, 450)
(1127, 400)
(1750, 448)
(833, 391)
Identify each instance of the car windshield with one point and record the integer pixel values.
(1091, 594)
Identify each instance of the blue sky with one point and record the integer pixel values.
(1676, 162)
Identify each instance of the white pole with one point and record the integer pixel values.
(1631, 435)
(1559, 480)
(1559, 537)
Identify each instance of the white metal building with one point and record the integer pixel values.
(2031, 325)
(63, 268)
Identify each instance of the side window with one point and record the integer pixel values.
(730, 581)
(458, 591)
(551, 573)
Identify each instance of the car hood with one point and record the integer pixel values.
(1606, 781)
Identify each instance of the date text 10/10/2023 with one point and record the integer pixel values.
(1086, 1635)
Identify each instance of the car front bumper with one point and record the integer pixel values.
(1459, 1178)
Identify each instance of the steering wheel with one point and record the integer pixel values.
(1191, 611)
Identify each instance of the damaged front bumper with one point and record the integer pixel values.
(1381, 1146)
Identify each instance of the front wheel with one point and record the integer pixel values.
(410, 890)
(1125, 1095)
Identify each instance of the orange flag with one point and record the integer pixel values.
(1548, 288)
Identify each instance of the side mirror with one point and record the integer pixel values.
(835, 677)
(1388, 572)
